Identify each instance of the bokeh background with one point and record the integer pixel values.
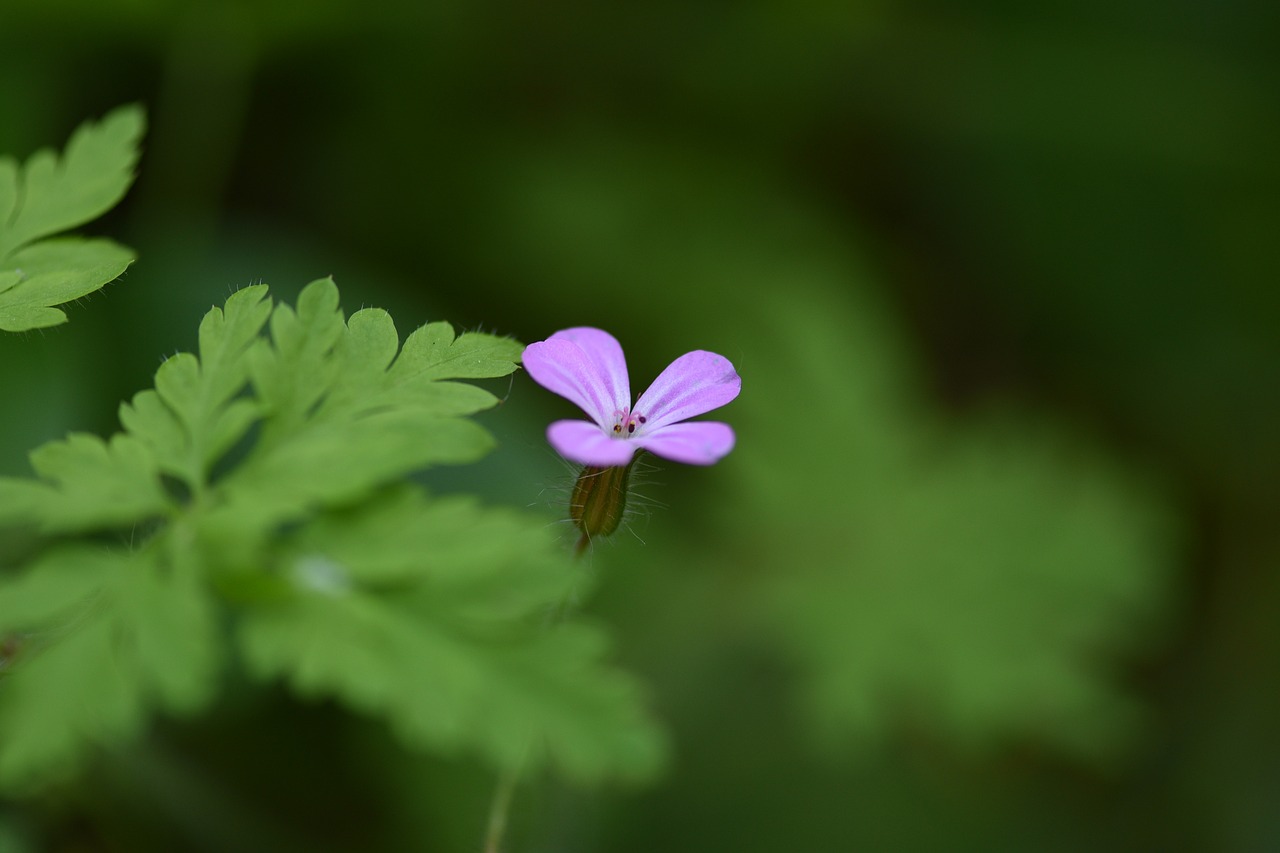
(996, 562)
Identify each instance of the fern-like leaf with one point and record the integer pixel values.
(48, 195)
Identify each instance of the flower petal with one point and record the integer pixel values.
(697, 443)
(585, 443)
(583, 365)
(694, 383)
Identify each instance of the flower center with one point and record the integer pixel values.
(626, 423)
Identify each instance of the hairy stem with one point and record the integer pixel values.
(599, 501)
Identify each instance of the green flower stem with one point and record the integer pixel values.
(597, 507)
(500, 809)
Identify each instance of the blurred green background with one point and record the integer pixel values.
(996, 562)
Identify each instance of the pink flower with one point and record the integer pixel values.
(587, 367)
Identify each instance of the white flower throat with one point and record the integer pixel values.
(625, 423)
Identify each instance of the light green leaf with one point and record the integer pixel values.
(190, 420)
(67, 700)
(364, 381)
(53, 272)
(343, 580)
(338, 422)
(175, 634)
(90, 484)
(428, 638)
(330, 463)
(435, 351)
(21, 500)
(51, 591)
(104, 638)
(342, 417)
(451, 543)
(295, 370)
(49, 195)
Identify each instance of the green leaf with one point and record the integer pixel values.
(292, 446)
(104, 637)
(295, 370)
(365, 382)
(49, 195)
(982, 586)
(20, 501)
(435, 351)
(53, 272)
(342, 417)
(975, 580)
(452, 543)
(330, 463)
(50, 590)
(437, 627)
(191, 418)
(91, 484)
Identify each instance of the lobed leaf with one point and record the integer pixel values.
(54, 272)
(435, 351)
(191, 418)
(980, 581)
(452, 544)
(92, 484)
(445, 690)
(265, 466)
(49, 590)
(341, 416)
(104, 637)
(331, 463)
(364, 381)
(293, 372)
(49, 195)
(402, 628)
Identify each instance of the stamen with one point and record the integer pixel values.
(623, 419)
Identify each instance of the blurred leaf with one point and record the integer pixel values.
(91, 484)
(423, 612)
(451, 543)
(126, 633)
(974, 580)
(49, 195)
